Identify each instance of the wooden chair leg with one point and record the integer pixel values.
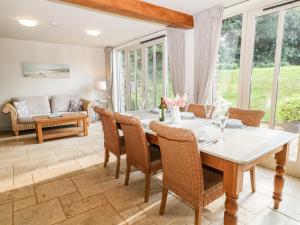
(127, 174)
(163, 201)
(118, 166)
(253, 182)
(106, 159)
(198, 216)
(147, 186)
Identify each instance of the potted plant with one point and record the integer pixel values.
(289, 113)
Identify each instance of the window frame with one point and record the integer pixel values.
(144, 48)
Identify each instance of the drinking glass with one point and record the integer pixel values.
(208, 111)
(223, 120)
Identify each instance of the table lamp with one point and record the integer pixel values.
(101, 87)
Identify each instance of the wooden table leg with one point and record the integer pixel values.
(233, 183)
(39, 133)
(85, 127)
(281, 159)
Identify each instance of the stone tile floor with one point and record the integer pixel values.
(63, 182)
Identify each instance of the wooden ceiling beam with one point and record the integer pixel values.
(139, 10)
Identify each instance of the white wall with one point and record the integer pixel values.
(86, 66)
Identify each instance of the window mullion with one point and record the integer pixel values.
(154, 74)
(277, 62)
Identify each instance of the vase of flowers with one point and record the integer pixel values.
(174, 106)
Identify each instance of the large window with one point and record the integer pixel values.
(262, 69)
(228, 66)
(142, 76)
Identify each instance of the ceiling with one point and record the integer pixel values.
(73, 21)
(188, 6)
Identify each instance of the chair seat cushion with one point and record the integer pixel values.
(213, 185)
(154, 153)
(122, 143)
(155, 158)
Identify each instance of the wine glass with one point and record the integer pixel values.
(143, 104)
(208, 110)
(223, 121)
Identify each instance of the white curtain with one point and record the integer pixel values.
(176, 53)
(207, 24)
(108, 51)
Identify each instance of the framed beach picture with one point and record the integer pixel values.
(40, 70)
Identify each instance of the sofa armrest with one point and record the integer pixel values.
(87, 106)
(9, 108)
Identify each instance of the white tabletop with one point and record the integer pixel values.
(239, 145)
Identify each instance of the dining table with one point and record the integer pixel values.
(239, 149)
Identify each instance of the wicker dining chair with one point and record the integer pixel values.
(199, 110)
(113, 142)
(252, 118)
(183, 173)
(139, 153)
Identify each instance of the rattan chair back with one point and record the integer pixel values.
(137, 152)
(181, 162)
(110, 130)
(199, 110)
(249, 117)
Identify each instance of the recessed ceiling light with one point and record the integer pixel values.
(54, 24)
(93, 32)
(28, 22)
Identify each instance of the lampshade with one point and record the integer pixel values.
(100, 85)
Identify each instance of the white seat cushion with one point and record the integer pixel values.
(29, 118)
(35, 105)
(61, 103)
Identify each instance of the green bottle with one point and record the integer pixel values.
(161, 110)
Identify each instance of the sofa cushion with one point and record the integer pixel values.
(21, 108)
(75, 106)
(35, 105)
(61, 103)
(30, 118)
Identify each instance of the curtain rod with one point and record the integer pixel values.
(152, 39)
(238, 3)
(281, 4)
(156, 32)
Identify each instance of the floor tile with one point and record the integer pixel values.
(290, 206)
(70, 198)
(45, 213)
(16, 194)
(54, 189)
(24, 203)
(134, 215)
(124, 197)
(104, 215)
(94, 182)
(269, 216)
(84, 205)
(6, 214)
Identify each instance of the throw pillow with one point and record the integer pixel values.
(21, 108)
(75, 106)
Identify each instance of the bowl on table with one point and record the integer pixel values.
(187, 115)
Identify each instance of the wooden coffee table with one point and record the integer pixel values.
(41, 121)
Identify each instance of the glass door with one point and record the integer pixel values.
(287, 108)
(274, 86)
(142, 75)
(263, 63)
(154, 78)
(135, 79)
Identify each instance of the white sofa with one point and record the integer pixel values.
(41, 105)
